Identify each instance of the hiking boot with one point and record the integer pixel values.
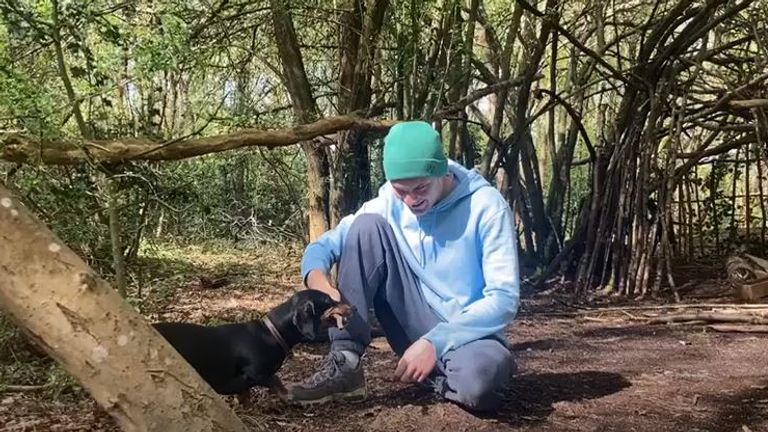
(337, 380)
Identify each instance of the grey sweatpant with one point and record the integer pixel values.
(373, 272)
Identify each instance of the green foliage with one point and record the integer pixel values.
(24, 103)
(240, 197)
(61, 195)
(166, 70)
(236, 197)
(29, 106)
(23, 364)
(718, 207)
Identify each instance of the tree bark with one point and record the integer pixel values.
(109, 190)
(360, 28)
(112, 191)
(76, 317)
(304, 108)
(521, 138)
(502, 56)
(63, 74)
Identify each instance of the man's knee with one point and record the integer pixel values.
(366, 223)
(477, 379)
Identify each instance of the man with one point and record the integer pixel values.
(435, 255)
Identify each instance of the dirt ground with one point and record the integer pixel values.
(577, 371)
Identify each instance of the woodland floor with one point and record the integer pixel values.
(596, 371)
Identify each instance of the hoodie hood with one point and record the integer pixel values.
(467, 182)
(425, 233)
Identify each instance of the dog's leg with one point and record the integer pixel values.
(276, 386)
(236, 385)
(244, 398)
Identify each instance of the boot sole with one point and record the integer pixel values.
(354, 396)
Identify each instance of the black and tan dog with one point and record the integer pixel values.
(232, 358)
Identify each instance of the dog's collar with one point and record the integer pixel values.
(276, 333)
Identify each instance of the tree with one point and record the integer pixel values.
(305, 110)
(616, 107)
(361, 24)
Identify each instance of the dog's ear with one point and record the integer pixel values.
(305, 320)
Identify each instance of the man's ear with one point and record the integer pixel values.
(305, 321)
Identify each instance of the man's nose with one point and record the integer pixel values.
(409, 200)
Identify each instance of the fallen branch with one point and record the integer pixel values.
(726, 328)
(708, 317)
(749, 103)
(23, 149)
(23, 388)
(581, 310)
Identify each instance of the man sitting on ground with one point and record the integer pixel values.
(435, 255)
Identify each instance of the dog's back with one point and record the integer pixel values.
(216, 353)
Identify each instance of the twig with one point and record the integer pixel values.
(593, 319)
(728, 97)
(681, 306)
(583, 48)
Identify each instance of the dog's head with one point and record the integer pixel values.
(314, 311)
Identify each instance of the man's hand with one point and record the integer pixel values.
(417, 362)
(320, 281)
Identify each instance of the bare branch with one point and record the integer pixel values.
(576, 117)
(479, 94)
(577, 43)
(23, 149)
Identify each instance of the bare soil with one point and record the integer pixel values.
(577, 371)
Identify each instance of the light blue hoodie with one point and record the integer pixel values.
(463, 252)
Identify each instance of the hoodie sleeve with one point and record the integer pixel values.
(324, 252)
(500, 299)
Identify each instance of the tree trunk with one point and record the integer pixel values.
(461, 147)
(503, 57)
(110, 191)
(563, 155)
(63, 73)
(305, 110)
(521, 138)
(620, 227)
(115, 234)
(134, 374)
(359, 31)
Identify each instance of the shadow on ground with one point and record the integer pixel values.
(748, 407)
(532, 396)
(529, 401)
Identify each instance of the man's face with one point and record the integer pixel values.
(419, 194)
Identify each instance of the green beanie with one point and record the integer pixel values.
(413, 149)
